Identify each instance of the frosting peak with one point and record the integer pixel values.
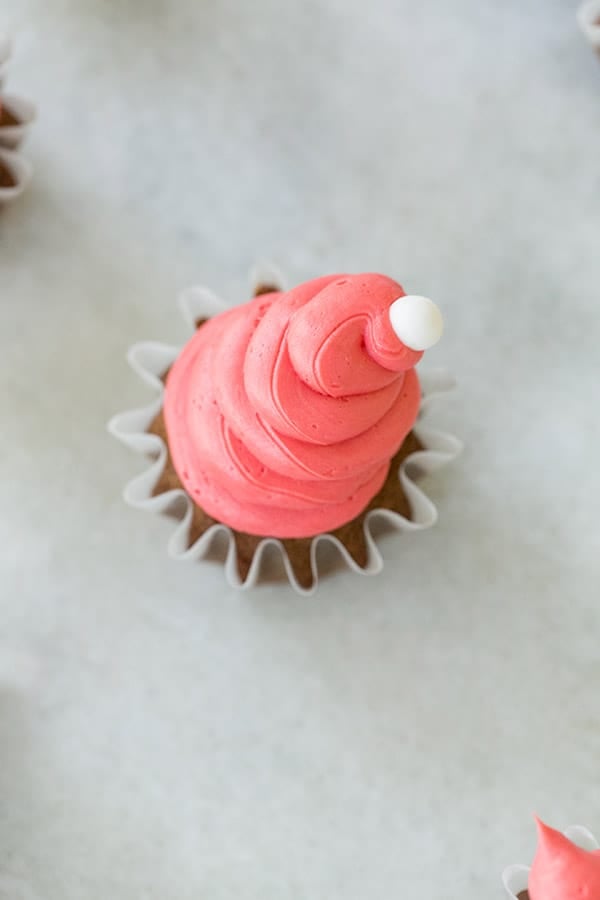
(283, 414)
(561, 870)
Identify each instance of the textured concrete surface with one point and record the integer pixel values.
(161, 736)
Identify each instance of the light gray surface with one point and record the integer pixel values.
(162, 736)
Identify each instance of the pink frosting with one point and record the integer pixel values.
(561, 870)
(283, 414)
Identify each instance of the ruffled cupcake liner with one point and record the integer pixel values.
(15, 174)
(16, 115)
(516, 878)
(588, 17)
(151, 361)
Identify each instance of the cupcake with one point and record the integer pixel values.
(289, 420)
(588, 17)
(565, 867)
(16, 115)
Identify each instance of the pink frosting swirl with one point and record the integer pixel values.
(561, 870)
(283, 414)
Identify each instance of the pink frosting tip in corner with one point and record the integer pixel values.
(561, 870)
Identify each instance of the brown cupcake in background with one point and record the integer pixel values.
(16, 115)
(7, 178)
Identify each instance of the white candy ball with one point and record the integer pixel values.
(417, 321)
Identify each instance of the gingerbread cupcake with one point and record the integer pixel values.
(565, 867)
(290, 420)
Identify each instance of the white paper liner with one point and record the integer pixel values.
(150, 360)
(515, 878)
(21, 171)
(588, 16)
(12, 135)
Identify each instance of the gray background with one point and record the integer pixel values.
(162, 736)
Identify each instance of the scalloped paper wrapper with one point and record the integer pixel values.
(21, 172)
(24, 112)
(588, 17)
(515, 878)
(151, 360)
(11, 135)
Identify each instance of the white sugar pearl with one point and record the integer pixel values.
(417, 321)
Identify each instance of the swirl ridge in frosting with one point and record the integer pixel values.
(283, 414)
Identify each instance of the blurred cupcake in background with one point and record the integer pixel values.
(565, 867)
(16, 115)
(588, 17)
